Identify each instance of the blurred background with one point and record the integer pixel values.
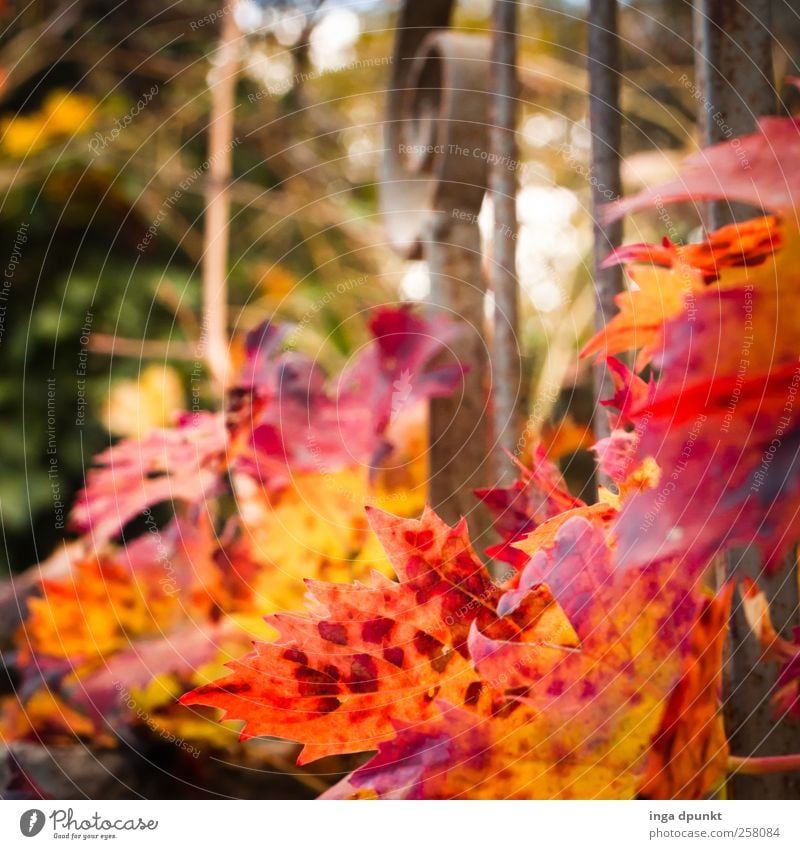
(104, 108)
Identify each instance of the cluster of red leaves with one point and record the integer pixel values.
(561, 682)
(595, 670)
(718, 321)
(164, 604)
(284, 417)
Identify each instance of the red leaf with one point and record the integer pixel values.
(590, 718)
(754, 169)
(171, 465)
(371, 655)
(724, 429)
(312, 424)
(536, 496)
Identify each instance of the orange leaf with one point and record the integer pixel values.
(373, 654)
(587, 714)
(690, 752)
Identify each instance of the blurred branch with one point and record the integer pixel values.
(118, 346)
(605, 123)
(506, 356)
(30, 52)
(763, 766)
(216, 229)
(169, 295)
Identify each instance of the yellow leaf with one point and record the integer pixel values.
(135, 407)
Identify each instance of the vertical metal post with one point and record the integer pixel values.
(734, 71)
(606, 132)
(506, 356)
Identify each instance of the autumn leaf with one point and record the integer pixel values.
(537, 495)
(123, 617)
(104, 693)
(723, 428)
(750, 169)
(721, 423)
(589, 718)
(283, 417)
(315, 528)
(372, 654)
(96, 611)
(630, 392)
(173, 600)
(43, 715)
(762, 252)
(173, 465)
(308, 422)
(658, 294)
(667, 282)
(689, 754)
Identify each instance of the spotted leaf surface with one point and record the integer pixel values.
(592, 719)
(374, 654)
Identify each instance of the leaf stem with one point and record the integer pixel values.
(763, 766)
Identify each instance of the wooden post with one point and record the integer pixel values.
(606, 132)
(433, 180)
(506, 355)
(458, 431)
(734, 71)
